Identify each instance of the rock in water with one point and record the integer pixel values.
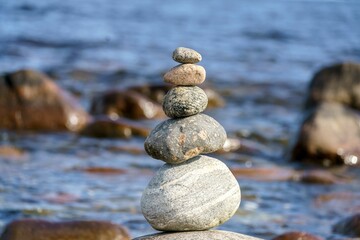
(127, 103)
(184, 101)
(329, 135)
(297, 236)
(198, 235)
(195, 195)
(337, 83)
(349, 226)
(29, 229)
(185, 74)
(177, 140)
(30, 100)
(186, 55)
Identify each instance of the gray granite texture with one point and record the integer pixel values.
(177, 140)
(184, 101)
(186, 55)
(185, 74)
(198, 194)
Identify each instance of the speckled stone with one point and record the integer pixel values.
(186, 55)
(184, 101)
(177, 140)
(185, 74)
(198, 235)
(195, 195)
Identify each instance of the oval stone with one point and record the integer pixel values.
(185, 74)
(177, 140)
(198, 194)
(198, 235)
(186, 55)
(184, 101)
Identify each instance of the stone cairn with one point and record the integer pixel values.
(191, 192)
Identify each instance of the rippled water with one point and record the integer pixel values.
(258, 54)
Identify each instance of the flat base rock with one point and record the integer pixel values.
(198, 235)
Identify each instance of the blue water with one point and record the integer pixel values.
(260, 40)
(259, 55)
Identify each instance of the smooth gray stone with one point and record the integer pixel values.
(186, 55)
(198, 235)
(184, 101)
(177, 140)
(198, 194)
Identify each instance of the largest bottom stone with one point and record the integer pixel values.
(198, 194)
(198, 235)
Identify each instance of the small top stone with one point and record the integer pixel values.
(186, 55)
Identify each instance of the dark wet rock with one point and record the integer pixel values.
(104, 127)
(177, 140)
(349, 226)
(129, 104)
(318, 177)
(78, 230)
(184, 101)
(198, 235)
(186, 55)
(102, 170)
(185, 74)
(155, 92)
(338, 83)
(30, 100)
(185, 197)
(297, 236)
(330, 134)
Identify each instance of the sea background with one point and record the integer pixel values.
(260, 55)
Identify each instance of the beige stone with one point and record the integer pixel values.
(185, 74)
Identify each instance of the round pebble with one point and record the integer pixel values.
(184, 101)
(186, 55)
(177, 140)
(185, 74)
(198, 194)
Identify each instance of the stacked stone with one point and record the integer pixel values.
(191, 192)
